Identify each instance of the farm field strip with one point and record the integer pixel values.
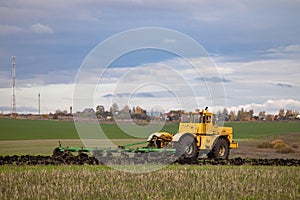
(45, 147)
(41, 129)
(255, 130)
(173, 182)
(41, 136)
(17, 129)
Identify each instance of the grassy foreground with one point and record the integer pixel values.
(173, 182)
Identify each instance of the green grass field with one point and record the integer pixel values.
(172, 182)
(252, 130)
(11, 129)
(16, 129)
(41, 136)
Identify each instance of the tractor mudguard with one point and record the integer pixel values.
(177, 136)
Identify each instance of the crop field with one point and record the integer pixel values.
(173, 182)
(41, 136)
(11, 129)
(252, 130)
(17, 129)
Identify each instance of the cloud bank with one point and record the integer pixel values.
(255, 44)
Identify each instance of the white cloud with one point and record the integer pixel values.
(169, 41)
(270, 106)
(259, 85)
(9, 29)
(41, 28)
(284, 52)
(53, 97)
(5, 79)
(267, 71)
(52, 77)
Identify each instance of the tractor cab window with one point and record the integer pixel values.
(185, 118)
(208, 119)
(196, 118)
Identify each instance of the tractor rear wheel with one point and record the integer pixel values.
(186, 146)
(220, 149)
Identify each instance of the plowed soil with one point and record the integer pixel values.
(249, 149)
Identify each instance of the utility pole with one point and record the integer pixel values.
(39, 104)
(13, 65)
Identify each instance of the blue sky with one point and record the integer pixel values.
(255, 44)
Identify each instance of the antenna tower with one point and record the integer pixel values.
(13, 64)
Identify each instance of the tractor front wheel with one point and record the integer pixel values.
(220, 149)
(186, 146)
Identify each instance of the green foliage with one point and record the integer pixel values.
(174, 182)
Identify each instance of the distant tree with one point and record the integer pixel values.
(125, 113)
(240, 115)
(61, 113)
(100, 112)
(270, 117)
(100, 109)
(138, 110)
(281, 114)
(290, 114)
(231, 116)
(250, 114)
(222, 116)
(174, 115)
(262, 115)
(115, 108)
(125, 109)
(225, 112)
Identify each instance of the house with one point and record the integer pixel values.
(88, 110)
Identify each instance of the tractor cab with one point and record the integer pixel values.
(196, 122)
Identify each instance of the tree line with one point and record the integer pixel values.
(244, 115)
(138, 113)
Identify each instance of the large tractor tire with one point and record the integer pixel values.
(186, 146)
(220, 149)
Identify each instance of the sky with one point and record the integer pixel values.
(255, 46)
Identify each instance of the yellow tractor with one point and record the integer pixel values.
(198, 136)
